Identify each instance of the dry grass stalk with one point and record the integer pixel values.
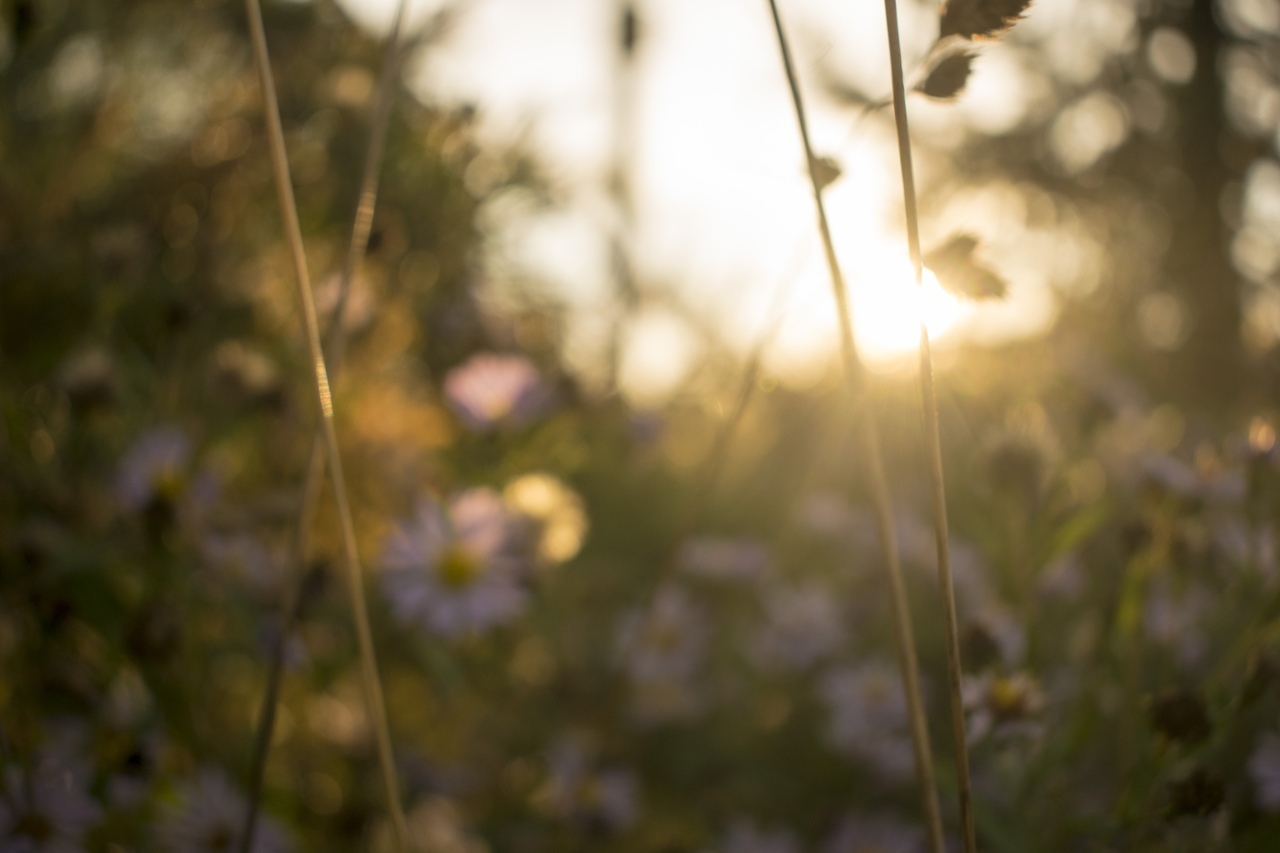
(335, 346)
(856, 374)
(289, 215)
(932, 439)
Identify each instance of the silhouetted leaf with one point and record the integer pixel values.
(1180, 715)
(973, 19)
(961, 274)
(826, 171)
(630, 30)
(947, 78)
(24, 20)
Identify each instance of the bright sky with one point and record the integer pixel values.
(723, 210)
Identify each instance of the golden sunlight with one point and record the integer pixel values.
(888, 307)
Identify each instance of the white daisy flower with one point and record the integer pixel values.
(209, 818)
(802, 625)
(869, 717)
(46, 810)
(451, 569)
(491, 390)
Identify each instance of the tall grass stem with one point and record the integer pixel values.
(333, 458)
(335, 346)
(855, 372)
(932, 440)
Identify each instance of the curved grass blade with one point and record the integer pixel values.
(368, 660)
(933, 441)
(855, 373)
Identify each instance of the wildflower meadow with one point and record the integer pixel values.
(731, 426)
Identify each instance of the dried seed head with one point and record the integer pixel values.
(1199, 793)
(630, 30)
(960, 273)
(826, 171)
(1263, 674)
(977, 19)
(946, 80)
(1180, 715)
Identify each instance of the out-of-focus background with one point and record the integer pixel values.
(624, 584)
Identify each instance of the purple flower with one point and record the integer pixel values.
(744, 837)
(869, 717)
(243, 556)
(48, 811)
(491, 390)
(827, 515)
(802, 626)
(579, 790)
(1002, 704)
(668, 642)
(664, 648)
(875, 834)
(718, 558)
(452, 570)
(209, 818)
(1175, 618)
(154, 469)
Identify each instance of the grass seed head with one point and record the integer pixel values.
(981, 19)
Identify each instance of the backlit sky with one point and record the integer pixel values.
(723, 211)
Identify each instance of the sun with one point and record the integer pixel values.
(885, 305)
(888, 306)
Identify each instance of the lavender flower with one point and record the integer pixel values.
(664, 649)
(875, 834)
(48, 811)
(154, 469)
(578, 790)
(451, 569)
(209, 817)
(717, 558)
(827, 515)
(1005, 704)
(244, 557)
(744, 837)
(869, 717)
(669, 642)
(1175, 619)
(491, 390)
(802, 626)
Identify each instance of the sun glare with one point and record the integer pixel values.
(888, 306)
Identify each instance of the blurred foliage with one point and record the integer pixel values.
(582, 647)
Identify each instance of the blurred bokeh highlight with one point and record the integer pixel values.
(620, 559)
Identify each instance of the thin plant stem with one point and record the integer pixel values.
(335, 346)
(855, 373)
(622, 231)
(333, 457)
(932, 440)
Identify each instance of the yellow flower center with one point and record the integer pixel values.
(457, 567)
(168, 484)
(1007, 697)
(589, 793)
